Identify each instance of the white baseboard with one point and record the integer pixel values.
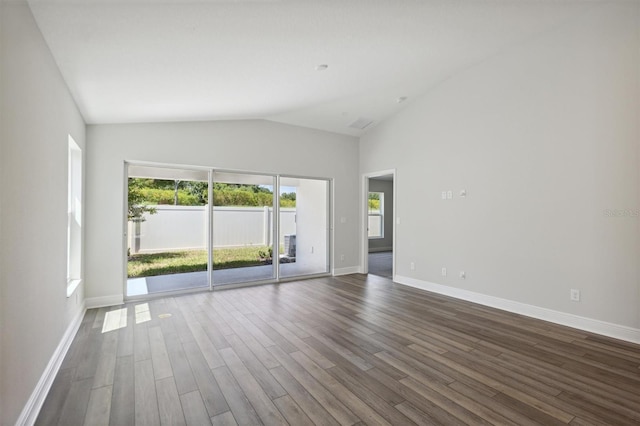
(32, 408)
(346, 271)
(100, 302)
(617, 331)
(379, 249)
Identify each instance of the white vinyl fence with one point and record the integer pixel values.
(185, 228)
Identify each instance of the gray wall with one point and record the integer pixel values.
(545, 139)
(386, 243)
(250, 145)
(37, 114)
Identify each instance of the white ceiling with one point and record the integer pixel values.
(149, 61)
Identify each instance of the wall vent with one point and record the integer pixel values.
(361, 123)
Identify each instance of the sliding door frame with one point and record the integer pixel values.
(329, 227)
(127, 164)
(210, 234)
(274, 237)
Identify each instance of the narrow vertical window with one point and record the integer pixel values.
(74, 217)
(376, 215)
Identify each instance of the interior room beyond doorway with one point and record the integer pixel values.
(380, 225)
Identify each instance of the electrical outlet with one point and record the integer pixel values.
(463, 275)
(342, 258)
(449, 195)
(444, 272)
(444, 195)
(412, 266)
(575, 295)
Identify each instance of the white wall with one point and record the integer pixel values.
(37, 115)
(249, 145)
(386, 243)
(545, 138)
(185, 228)
(241, 226)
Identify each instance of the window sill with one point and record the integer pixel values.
(72, 285)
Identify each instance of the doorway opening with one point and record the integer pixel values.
(378, 256)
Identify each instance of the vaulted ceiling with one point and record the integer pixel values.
(149, 61)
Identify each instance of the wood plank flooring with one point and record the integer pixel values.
(348, 350)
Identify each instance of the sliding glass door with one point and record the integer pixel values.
(203, 228)
(168, 228)
(243, 228)
(304, 226)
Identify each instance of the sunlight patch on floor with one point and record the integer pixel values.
(143, 314)
(114, 320)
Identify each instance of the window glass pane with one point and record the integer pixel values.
(375, 226)
(376, 200)
(167, 236)
(243, 246)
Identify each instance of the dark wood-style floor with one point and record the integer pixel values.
(345, 350)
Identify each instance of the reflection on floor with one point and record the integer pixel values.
(380, 264)
(190, 280)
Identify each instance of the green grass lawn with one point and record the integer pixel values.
(175, 262)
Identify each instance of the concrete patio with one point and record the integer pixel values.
(379, 264)
(191, 280)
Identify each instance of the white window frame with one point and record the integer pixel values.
(74, 217)
(379, 214)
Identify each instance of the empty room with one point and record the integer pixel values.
(245, 212)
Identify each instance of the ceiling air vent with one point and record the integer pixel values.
(361, 123)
